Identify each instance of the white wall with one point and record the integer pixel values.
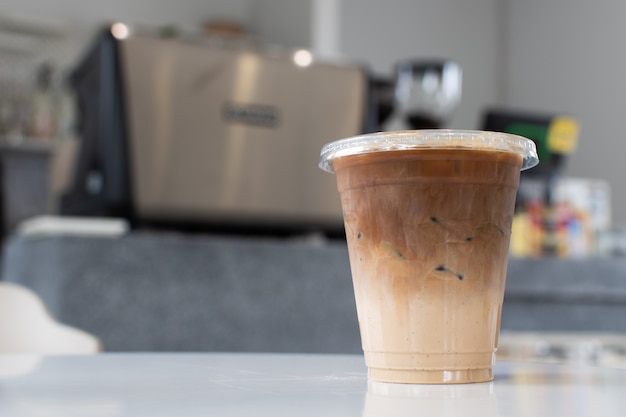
(570, 56)
(137, 11)
(283, 22)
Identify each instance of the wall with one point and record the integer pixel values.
(568, 56)
(283, 22)
(137, 11)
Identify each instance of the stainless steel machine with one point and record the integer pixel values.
(183, 131)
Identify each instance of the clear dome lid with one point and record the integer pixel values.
(429, 139)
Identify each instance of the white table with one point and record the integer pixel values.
(205, 384)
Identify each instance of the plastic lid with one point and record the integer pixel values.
(429, 139)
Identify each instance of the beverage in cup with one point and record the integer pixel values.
(427, 217)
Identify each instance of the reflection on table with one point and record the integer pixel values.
(588, 348)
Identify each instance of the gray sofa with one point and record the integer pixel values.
(177, 292)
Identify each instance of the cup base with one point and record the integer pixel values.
(414, 376)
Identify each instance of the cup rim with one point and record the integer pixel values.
(429, 139)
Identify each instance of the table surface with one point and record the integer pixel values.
(212, 384)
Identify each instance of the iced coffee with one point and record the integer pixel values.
(428, 221)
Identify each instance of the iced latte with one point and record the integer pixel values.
(428, 221)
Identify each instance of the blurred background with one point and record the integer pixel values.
(510, 54)
(208, 116)
(512, 60)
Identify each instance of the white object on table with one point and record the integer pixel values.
(212, 384)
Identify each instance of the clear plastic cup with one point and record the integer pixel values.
(428, 219)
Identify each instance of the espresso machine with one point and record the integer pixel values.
(179, 131)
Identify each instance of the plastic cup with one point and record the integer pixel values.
(428, 217)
